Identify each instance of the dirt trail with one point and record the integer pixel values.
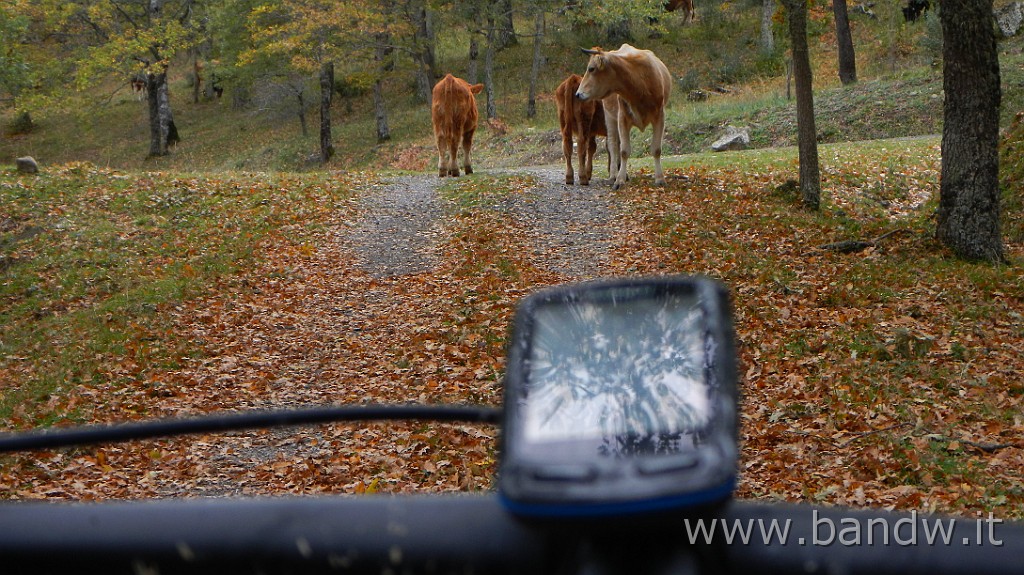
(572, 226)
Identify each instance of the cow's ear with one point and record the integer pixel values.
(476, 88)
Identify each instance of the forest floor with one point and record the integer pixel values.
(882, 378)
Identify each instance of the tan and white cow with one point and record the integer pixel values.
(454, 116)
(634, 86)
(583, 119)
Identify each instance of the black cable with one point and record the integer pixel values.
(256, 420)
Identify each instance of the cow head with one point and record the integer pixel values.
(594, 85)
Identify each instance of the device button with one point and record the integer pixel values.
(680, 462)
(566, 473)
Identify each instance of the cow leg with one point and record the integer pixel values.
(453, 157)
(467, 145)
(656, 139)
(587, 145)
(567, 152)
(623, 156)
(612, 140)
(582, 137)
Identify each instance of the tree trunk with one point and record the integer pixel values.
(197, 77)
(969, 210)
(847, 58)
(162, 132)
(477, 18)
(810, 175)
(383, 132)
(385, 63)
(326, 94)
(492, 109)
(767, 36)
(301, 97)
(157, 146)
(538, 58)
(474, 58)
(423, 35)
(506, 31)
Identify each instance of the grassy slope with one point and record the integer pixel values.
(899, 95)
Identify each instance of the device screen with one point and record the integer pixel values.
(620, 377)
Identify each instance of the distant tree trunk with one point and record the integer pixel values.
(505, 34)
(538, 59)
(492, 109)
(969, 210)
(197, 77)
(847, 58)
(767, 36)
(474, 58)
(423, 34)
(382, 55)
(810, 175)
(326, 94)
(300, 95)
(477, 19)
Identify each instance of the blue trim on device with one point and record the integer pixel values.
(621, 508)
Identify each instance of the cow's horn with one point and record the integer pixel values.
(589, 51)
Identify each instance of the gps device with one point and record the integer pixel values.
(620, 399)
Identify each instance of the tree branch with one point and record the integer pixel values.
(853, 246)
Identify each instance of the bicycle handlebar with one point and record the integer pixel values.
(474, 534)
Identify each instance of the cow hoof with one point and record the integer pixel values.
(584, 182)
(453, 173)
(569, 181)
(659, 183)
(469, 170)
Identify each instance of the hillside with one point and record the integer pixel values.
(899, 95)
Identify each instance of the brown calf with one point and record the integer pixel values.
(454, 115)
(582, 119)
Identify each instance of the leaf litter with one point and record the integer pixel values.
(852, 395)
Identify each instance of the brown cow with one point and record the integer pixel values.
(138, 83)
(635, 86)
(582, 119)
(454, 115)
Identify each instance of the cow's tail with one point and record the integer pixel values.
(569, 99)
